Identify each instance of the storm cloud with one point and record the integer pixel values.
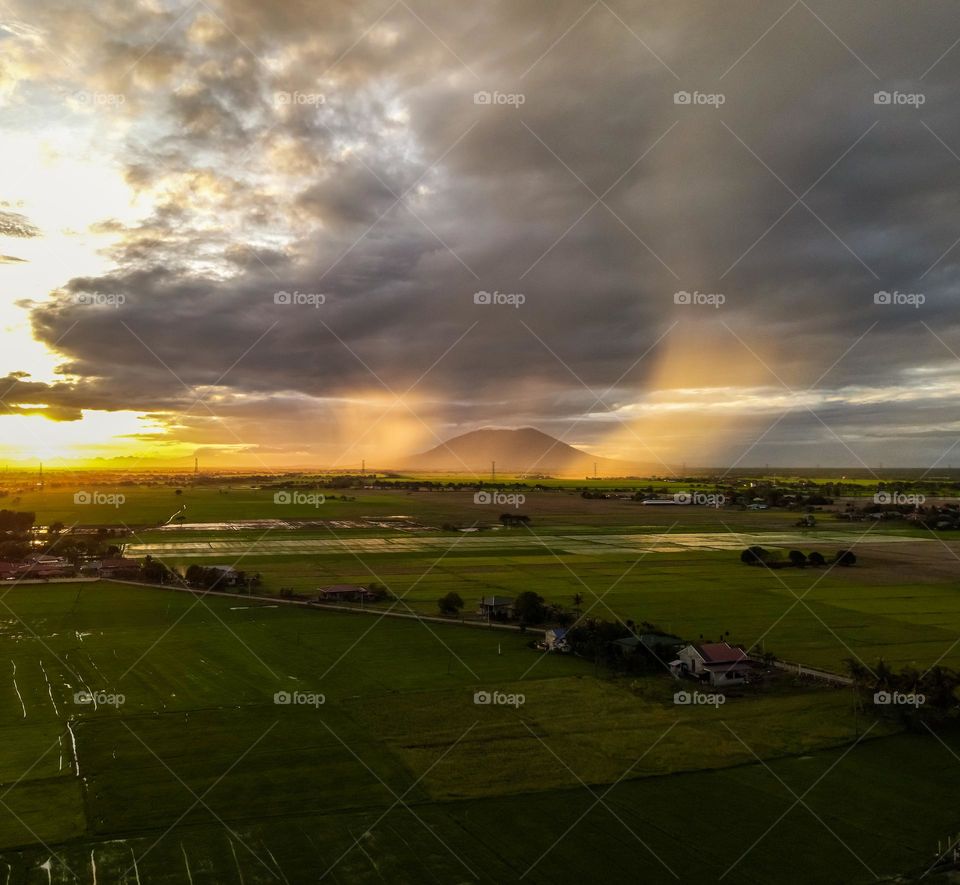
(589, 218)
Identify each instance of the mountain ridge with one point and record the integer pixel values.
(514, 450)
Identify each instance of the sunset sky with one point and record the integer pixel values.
(255, 231)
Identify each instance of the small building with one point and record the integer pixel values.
(113, 568)
(717, 663)
(345, 593)
(555, 639)
(44, 566)
(496, 607)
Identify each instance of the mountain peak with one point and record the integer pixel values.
(515, 450)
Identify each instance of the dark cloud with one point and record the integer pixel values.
(350, 160)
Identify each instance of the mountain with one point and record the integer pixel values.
(525, 450)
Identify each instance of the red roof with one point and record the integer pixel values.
(721, 653)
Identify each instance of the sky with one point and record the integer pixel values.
(303, 234)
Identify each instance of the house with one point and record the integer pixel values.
(345, 593)
(496, 607)
(43, 566)
(555, 639)
(113, 568)
(718, 663)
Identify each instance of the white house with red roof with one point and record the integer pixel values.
(718, 663)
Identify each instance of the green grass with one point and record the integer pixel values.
(881, 608)
(292, 788)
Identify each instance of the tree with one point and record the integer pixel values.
(846, 557)
(155, 571)
(178, 492)
(451, 604)
(816, 558)
(55, 528)
(578, 601)
(754, 556)
(379, 591)
(798, 558)
(528, 608)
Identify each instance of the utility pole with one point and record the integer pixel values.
(493, 471)
(363, 467)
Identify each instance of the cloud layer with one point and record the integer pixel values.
(344, 154)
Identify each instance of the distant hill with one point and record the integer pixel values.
(525, 450)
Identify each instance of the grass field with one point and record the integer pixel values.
(199, 776)
(562, 508)
(899, 603)
(285, 790)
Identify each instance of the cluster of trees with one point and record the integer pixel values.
(216, 579)
(155, 572)
(795, 558)
(529, 608)
(16, 522)
(938, 687)
(451, 604)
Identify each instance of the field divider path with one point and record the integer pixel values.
(329, 606)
